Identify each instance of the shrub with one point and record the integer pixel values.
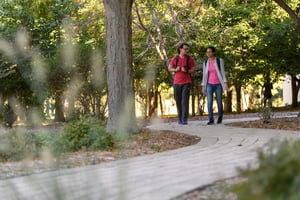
(16, 145)
(265, 113)
(85, 134)
(277, 176)
(8, 116)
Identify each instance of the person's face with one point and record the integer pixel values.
(184, 50)
(210, 53)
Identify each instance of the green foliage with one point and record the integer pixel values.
(249, 35)
(7, 115)
(31, 30)
(16, 145)
(277, 176)
(85, 134)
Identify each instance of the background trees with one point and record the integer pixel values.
(53, 63)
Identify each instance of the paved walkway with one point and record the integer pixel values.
(155, 177)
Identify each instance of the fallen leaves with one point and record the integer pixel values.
(286, 123)
(150, 142)
(147, 142)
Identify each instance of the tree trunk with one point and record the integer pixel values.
(153, 102)
(193, 94)
(98, 106)
(267, 88)
(161, 104)
(71, 108)
(296, 18)
(295, 90)
(201, 101)
(238, 98)
(228, 102)
(59, 108)
(121, 104)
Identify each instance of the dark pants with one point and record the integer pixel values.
(182, 96)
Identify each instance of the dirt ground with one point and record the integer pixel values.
(147, 142)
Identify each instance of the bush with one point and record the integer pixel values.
(265, 113)
(16, 145)
(8, 116)
(84, 134)
(277, 176)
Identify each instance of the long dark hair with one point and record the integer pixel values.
(181, 46)
(213, 49)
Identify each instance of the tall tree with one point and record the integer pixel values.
(293, 14)
(34, 27)
(295, 80)
(163, 25)
(121, 105)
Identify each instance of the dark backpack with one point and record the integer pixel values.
(218, 63)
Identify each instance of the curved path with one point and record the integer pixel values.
(159, 176)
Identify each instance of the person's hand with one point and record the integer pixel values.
(203, 91)
(177, 69)
(184, 69)
(226, 87)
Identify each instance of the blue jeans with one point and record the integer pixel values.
(210, 90)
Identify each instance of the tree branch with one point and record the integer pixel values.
(292, 13)
(159, 42)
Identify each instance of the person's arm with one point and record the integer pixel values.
(172, 67)
(192, 70)
(203, 88)
(224, 74)
(223, 71)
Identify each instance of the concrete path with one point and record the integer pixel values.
(154, 177)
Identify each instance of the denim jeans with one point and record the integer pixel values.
(182, 95)
(210, 90)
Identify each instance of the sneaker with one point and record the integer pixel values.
(210, 123)
(184, 123)
(179, 122)
(219, 120)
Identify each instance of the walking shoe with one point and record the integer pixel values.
(219, 120)
(184, 123)
(210, 123)
(180, 122)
